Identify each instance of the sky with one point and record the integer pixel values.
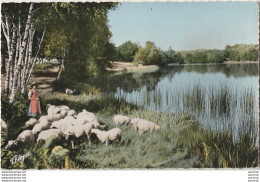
(186, 25)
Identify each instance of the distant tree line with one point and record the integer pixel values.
(151, 54)
(147, 55)
(237, 52)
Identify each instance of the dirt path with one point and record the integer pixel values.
(44, 78)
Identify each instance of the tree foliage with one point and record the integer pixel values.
(76, 33)
(237, 52)
(127, 51)
(148, 55)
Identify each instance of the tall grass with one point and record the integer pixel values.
(180, 143)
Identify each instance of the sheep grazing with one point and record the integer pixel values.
(50, 110)
(63, 107)
(86, 113)
(64, 112)
(78, 132)
(57, 117)
(11, 144)
(114, 134)
(119, 119)
(44, 125)
(47, 106)
(134, 122)
(70, 118)
(4, 128)
(56, 110)
(62, 124)
(106, 136)
(26, 137)
(143, 125)
(86, 117)
(71, 113)
(69, 91)
(44, 135)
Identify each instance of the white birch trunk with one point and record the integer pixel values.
(61, 63)
(12, 56)
(28, 61)
(34, 59)
(6, 31)
(21, 55)
(23, 72)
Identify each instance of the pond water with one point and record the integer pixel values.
(221, 96)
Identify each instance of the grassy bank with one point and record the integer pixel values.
(180, 143)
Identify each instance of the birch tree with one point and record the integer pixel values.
(17, 69)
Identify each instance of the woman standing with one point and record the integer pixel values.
(34, 108)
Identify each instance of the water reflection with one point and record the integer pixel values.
(220, 96)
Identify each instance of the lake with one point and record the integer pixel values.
(220, 96)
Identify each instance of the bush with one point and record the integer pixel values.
(15, 114)
(148, 55)
(127, 51)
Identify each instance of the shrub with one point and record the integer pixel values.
(15, 114)
(148, 55)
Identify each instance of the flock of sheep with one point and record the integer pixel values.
(63, 123)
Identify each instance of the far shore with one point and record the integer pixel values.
(128, 66)
(240, 62)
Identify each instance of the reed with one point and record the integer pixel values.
(180, 143)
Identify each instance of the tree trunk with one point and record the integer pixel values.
(28, 62)
(23, 73)
(33, 62)
(21, 55)
(6, 31)
(3, 70)
(14, 62)
(11, 57)
(61, 67)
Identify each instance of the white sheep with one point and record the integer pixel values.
(62, 124)
(44, 125)
(134, 122)
(50, 109)
(56, 110)
(11, 144)
(86, 113)
(70, 118)
(106, 136)
(58, 117)
(78, 131)
(85, 119)
(44, 135)
(120, 119)
(71, 113)
(63, 107)
(43, 120)
(47, 106)
(97, 125)
(64, 112)
(26, 137)
(144, 125)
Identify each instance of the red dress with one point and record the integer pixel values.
(34, 108)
